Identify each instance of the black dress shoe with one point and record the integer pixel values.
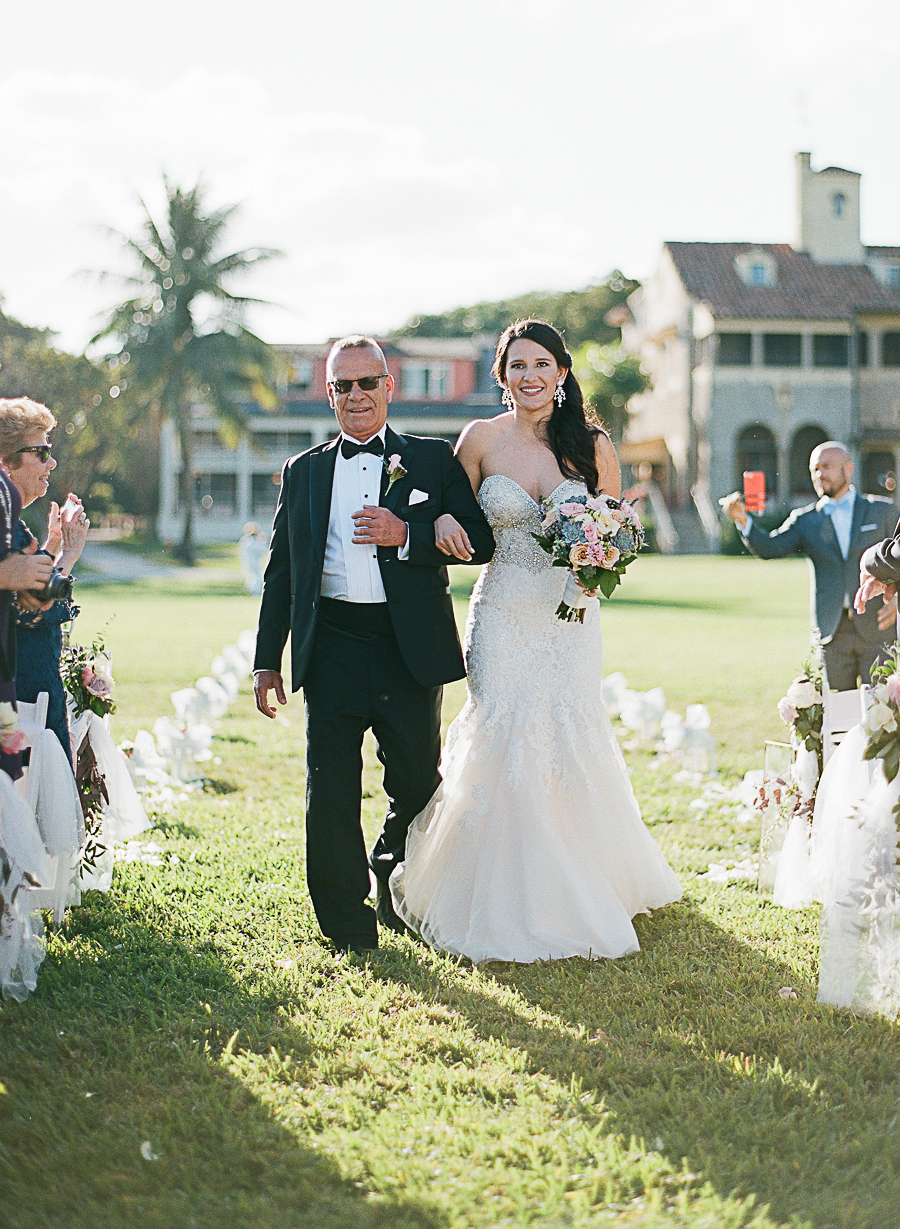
(384, 911)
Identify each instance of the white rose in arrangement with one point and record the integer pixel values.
(880, 717)
(102, 668)
(605, 522)
(8, 715)
(803, 694)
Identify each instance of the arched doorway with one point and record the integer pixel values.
(804, 441)
(756, 450)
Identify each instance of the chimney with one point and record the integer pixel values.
(828, 214)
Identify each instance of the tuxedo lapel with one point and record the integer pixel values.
(321, 480)
(829, 537)
(860, 508)
(394, 445)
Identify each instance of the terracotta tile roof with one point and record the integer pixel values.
(804, 291)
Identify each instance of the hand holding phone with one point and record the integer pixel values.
(754, 490)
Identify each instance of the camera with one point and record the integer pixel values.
(57, 589)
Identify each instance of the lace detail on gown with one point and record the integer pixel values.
(533, 847)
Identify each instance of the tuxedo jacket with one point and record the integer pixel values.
(417, 588)
(809, 531)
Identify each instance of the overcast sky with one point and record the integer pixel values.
(409, 156)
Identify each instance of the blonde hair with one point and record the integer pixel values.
(20, 417)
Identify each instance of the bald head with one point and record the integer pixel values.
(831, 469)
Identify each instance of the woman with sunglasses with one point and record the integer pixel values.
(26, 455)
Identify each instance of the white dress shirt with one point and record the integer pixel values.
(351, 572)
(840, 512)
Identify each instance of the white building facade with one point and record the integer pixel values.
(758, 352)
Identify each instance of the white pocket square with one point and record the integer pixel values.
(418, 497)
(862, 528)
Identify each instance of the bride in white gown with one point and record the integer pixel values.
(533, 847)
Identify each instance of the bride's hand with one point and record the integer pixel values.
(451, 538)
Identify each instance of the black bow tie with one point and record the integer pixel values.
(349, 448)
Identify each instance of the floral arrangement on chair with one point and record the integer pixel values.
(882, 721)
(87, 677)
(802, 709)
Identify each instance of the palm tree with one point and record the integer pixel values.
(183, 335)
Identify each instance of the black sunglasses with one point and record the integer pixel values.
(41, 451)
(366, 383)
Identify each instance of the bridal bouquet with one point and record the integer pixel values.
(595, 537)
(87, 677)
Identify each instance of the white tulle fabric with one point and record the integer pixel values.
(49, 789)
(853, 872)
(533, 847)
(124, 816)
(25, 865)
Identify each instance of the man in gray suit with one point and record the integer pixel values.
(833, 533)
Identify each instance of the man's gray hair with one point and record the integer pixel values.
(356, 341)
(832, 446)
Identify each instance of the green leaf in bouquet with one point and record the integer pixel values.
(608, 581)
(892, 761)
(543, 542)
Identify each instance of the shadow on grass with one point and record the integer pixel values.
(127, 1042)
(692, 1049)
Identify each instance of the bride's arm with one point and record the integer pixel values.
(610, 479)
(449, 536)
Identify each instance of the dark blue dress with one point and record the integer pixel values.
(38, 652)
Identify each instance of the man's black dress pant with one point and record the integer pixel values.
(357, 680)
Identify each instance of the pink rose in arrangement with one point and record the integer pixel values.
(96, 684)
(893, 689)
(591, 533)
(571, 509)
(598, 503)
(13, 741)
(786, 711)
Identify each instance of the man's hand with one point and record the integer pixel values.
(733, 506)
(21, 571)
(887, 615)
(378, 527)
(451, 539)
(265, 681)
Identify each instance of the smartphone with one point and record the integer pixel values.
(755, 490)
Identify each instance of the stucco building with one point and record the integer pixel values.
(439, 386)
(758, 352)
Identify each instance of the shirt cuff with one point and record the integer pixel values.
(403, 551)
(744, 529)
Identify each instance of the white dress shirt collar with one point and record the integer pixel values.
(378, 435)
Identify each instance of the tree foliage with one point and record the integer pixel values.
(102, 445)
(609, 377)
(181, 336)
(581, 315)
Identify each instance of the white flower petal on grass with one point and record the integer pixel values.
(147, 1151)
(787, 992)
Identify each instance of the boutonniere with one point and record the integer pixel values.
(395, 470)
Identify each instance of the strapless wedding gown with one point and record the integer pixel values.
(533, 847)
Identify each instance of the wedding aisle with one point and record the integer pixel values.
(194, 1056)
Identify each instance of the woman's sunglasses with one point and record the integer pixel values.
(367, 384)
(41, 451)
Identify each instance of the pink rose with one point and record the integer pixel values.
(86, 675)
(13, 742)
(610, 556)
(98, 686)
(786, 711)
(571, 509)
(591, 533)
(893, 689)
(393, 462)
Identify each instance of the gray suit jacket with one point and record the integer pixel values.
(808, 531)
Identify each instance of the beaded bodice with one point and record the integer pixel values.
(514, 517)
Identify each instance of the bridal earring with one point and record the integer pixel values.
(507, 399)
(560, 395)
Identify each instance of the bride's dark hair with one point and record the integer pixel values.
(570, 435)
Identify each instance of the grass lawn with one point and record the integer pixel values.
(280, 1086)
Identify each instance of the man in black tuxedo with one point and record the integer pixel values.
(833, 534)
(357, 580)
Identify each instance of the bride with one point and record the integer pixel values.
(533, 847)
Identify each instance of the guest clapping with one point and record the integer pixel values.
(25, 452)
